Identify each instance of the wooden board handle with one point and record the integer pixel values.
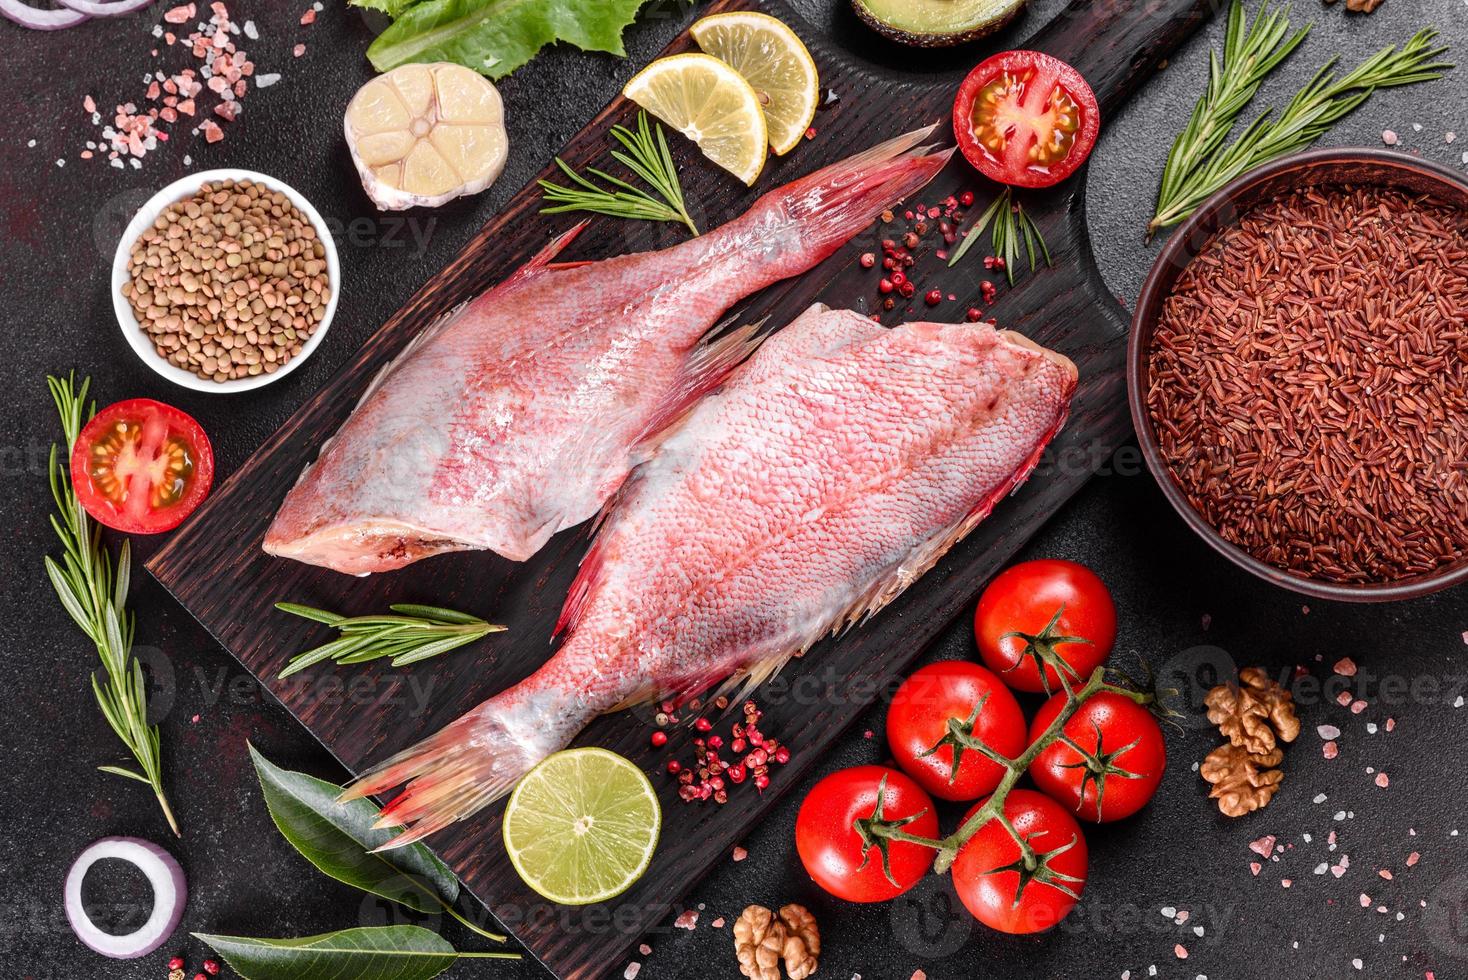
(1117, 44)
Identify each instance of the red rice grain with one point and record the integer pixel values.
(1308, 384)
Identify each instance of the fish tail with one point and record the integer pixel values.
(463, 768)
(834, 203)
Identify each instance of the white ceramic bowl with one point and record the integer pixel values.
(142, 343)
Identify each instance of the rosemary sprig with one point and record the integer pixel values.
(412, 634)
(1250, 53)
(93, 589)
(648, 157)
(1323, 102)
(1011, 226)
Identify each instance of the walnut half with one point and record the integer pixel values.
(803, 944)
(762, 939)
(1242, 781)
(1254, 713)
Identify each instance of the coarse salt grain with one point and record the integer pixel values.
(1346, 667)
(1328, 732)
(739, 854)
(1388, 137)
(632, 970)
(1382, 780)
(688, 920)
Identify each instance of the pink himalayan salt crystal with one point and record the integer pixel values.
(919, 975)
(212, 132)
(89, 104)
(718, 923)
(1181, 951)
(1388, 137)
(687, 920)
(1382, 780)
(1385, 874)
(1413, 858)
(1329, 750)
(1365, 901)
(1263, 847)
(1286, 882)
(1328, 732)
(1343, 698)
(740, 854)
(1346, 667)
(298, 50)
(179, 15)
(632, 970)
(1391, 723)
(1255, 867)
(309, 17)
(645, 949)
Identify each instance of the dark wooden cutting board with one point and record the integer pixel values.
(215, 567)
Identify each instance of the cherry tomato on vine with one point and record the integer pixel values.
(141, 466)
(829, 833)
(1122, 767)
(1048, 610)
(983, 708)
(1026, 119)
(1001, 888)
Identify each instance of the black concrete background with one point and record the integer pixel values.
(1181, 606)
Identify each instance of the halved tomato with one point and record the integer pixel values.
(141, 466)
(1026, 119)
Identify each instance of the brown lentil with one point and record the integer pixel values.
(230, 282)
(1308, 384)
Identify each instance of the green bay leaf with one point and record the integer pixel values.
(379, 952)
(338, 838)
(494, 37)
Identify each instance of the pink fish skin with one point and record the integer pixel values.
(519, 415)
(832, 470)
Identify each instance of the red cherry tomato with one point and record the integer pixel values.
(1050, 610)
(141, 466)
(1127, 757)
(991, 876)
(832, 849)
(918, 721)
(1026, 119)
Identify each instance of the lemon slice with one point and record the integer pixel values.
(711, 104)
(582, 826)
(775, 62)
(421, 135)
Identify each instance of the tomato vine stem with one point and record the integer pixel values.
(993, 808)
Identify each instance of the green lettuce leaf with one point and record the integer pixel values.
(494, 37)
(393, 8)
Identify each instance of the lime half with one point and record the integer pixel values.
(582, 826)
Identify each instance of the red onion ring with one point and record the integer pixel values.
(38, 19)
(105, 8)
(170, 892)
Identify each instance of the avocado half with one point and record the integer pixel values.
(936, 23)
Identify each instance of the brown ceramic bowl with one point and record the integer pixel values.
(1335, 166)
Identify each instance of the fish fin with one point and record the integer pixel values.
(708, 364)
(450, 775)
(542, 261)
(834, 203)
(586, 576)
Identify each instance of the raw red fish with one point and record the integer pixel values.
(831, 471)
(519, 415)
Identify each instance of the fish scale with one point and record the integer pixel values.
(520, 414)
(830, 472)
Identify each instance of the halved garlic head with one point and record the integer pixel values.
(422, 135)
